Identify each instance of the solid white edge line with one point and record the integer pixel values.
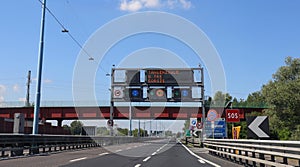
(78, 159)
(103, 154)
(137, 165)
(197, 156)
(146, 159)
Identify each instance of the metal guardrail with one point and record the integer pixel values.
(18, 145)
(256, 152)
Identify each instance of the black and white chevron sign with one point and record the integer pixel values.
(258, 127)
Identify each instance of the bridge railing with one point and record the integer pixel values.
(256, 152)
(18, 145)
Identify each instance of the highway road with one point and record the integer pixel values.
(166, 153)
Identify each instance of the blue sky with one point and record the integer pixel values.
(252, 39)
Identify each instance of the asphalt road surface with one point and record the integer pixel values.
(159, 153)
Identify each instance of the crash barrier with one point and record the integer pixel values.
(18, 144)
(256, 152)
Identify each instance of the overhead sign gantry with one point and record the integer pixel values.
(157, 85)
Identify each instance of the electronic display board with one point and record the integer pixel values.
(133, 77)
(167, 77)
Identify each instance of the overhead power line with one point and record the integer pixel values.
(65, 30)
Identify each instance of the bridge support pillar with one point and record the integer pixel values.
(59, 122)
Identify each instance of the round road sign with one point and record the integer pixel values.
(212, 115)
(117, 93)
(159, 92)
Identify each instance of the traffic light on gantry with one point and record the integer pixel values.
(135, 94)
(157, 94)
(181, 94)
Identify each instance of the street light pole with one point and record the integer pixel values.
(130, 120)
(111, 108)
(203, 107)
(39, 73)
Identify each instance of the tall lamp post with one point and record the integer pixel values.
(39, 73)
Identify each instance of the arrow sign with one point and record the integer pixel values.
(258, 127)
(195, 132)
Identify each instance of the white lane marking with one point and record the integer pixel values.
(158, 150)
(129, 148)
(146, 159)
(103, 154)
(197, 156)
(118, 150)
(154, 153)
(78, 159)
(137, 165)
(201, 161)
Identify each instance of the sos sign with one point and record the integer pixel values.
(232, 115)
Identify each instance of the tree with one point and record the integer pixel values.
(283, 96)
(143, 132)
(168, 133)
(122, 132)
(220, 99)
(76, 127)
(186, 125)
(102, 131)
(256, 99)
(66, 127)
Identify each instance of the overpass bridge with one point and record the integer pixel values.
(60, 113)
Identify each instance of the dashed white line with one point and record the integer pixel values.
(201, 161)
(103, 154)
(146, 159)
(78, 159)
(137, 165)
(154, 153)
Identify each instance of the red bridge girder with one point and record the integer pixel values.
(71, 113)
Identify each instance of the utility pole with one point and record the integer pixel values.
(130, 120)
(139, 130)
(156, 128)
(27, 104)
(39, 73)
(150, 131)
(144, 134)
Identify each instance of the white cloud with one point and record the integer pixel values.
(171, 4)
(136, 5)
(186, 4)
(132, 6)
(1, 99)
(16, 88)
(152, 3)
